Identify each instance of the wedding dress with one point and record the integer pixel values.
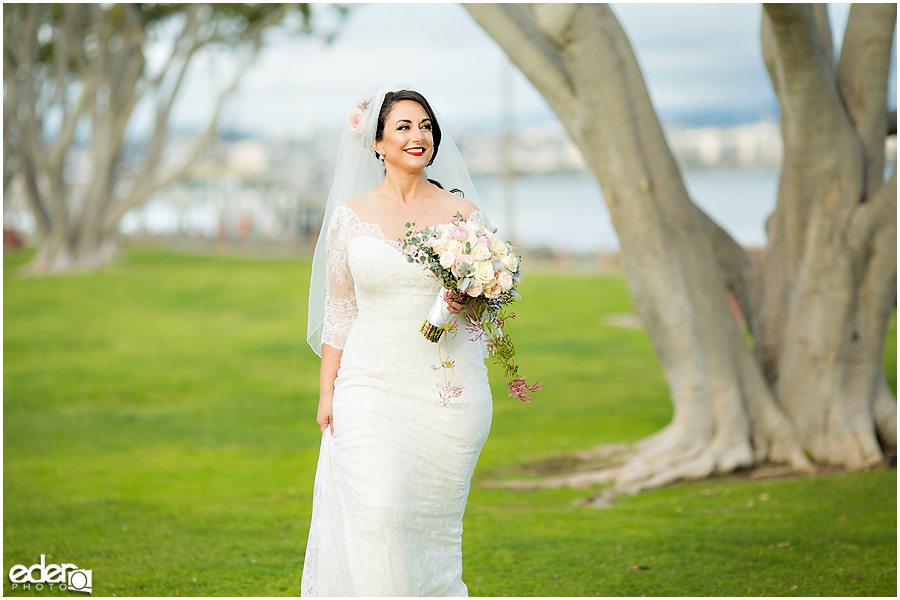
(391, 484)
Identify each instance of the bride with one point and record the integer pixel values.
(396, 456)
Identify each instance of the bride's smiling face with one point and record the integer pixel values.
(407, 141)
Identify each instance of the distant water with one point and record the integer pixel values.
(567, 212)
(562, 212)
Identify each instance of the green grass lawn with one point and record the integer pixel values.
(159, 430)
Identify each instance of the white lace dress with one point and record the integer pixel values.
(391, 484)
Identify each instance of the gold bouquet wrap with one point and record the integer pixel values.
(431, 332)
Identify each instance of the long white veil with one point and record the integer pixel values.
(358, 170)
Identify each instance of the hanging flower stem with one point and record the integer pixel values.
(448, 391)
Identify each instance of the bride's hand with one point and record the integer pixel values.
(324, 417)
(455, 306)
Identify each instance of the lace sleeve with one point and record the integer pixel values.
(478, 218)
(340, 296)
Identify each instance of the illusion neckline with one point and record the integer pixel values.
(407, 203)
(396, 243)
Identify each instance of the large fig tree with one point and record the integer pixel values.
(72, 66)
(817, 302)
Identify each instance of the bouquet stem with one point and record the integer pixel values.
(436, 322)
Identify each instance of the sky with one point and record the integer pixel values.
(702, 63)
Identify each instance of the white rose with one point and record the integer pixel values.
(510, 262)
(471, 238)
(505, 280)
(448, 259)
(498, 247)
(475, 289)
(484, 271)
(481, 252)
(453, 246)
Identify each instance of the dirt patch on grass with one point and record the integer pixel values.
(582, 461)
(605, 457)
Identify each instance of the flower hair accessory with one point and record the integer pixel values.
(357, 169)
(356, 119)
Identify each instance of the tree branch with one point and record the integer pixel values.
(129, 94)
(9, 158)
(30, 148)
(144, 189)
(738, 266)
(12, 126)
(191, 25)
(21, 146)
(804, 79)
(538, 58)
(817, 133)
(863, 80)
(770, 56)
(190, 40)
(70, 124)
(879, 210)
(64, 52)
(69, 27)
(33, 196)
(823, 30)
(185, 47)
(61, 63)
(253, 32)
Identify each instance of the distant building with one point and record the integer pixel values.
(273, 190)
(548, 149)
(749, 146)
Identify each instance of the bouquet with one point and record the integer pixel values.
(476, 264)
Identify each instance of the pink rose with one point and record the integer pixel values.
(505, 280)
(355, 119)
(459, 233)
(495, 291)
(475, 289)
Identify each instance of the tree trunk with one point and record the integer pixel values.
(56, 256)
(733, 407)
(107, 78)
(831, 262)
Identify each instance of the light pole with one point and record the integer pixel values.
(508, 152)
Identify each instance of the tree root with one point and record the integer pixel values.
(664, 458)
(885, 410)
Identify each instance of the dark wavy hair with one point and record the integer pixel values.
(392, 98)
